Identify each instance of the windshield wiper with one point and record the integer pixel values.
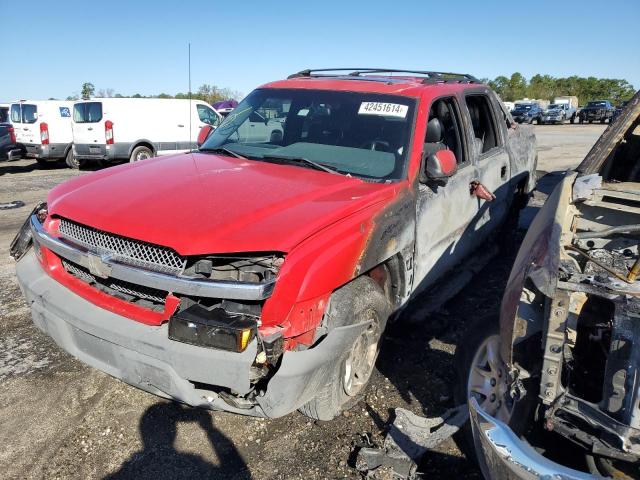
(222, 150)
(311, 163)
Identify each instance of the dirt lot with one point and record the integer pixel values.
(61, 419)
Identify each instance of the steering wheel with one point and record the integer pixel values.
(376, 144)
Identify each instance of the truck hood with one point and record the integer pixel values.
(200, 203)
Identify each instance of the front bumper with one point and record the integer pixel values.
(503, 456)
(143, 356)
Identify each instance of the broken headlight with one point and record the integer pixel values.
(213, 328)
(240, 268)
(22, 241)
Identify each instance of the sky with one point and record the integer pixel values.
(51, 47)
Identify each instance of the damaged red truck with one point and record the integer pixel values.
(256, 274)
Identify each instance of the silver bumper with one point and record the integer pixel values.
(104, 267)
(502, 455)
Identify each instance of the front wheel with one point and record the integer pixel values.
(572, 120)
(140, 153)
(362, 300)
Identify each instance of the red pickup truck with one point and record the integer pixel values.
(256, 274)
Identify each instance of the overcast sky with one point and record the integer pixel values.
(50, 48)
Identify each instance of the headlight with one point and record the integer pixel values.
(22, 241)
(212, 328)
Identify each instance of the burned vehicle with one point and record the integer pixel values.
(256, 274)
(565, 359)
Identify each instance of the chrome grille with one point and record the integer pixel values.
(137, 291)
(125, 250)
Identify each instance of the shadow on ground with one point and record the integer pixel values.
(159, 458)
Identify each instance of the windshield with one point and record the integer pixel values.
(523, 106)
(554, 106)
(361, 134)
(597, 104)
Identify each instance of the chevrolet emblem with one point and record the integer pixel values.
(98, 266)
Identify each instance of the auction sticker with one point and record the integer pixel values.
(381, 108)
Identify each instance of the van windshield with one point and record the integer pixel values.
(87, 112)
(361, 134)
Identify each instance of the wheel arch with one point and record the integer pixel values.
(142, 143)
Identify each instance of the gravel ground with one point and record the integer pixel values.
(61, 419)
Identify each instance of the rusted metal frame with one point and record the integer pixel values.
(554, 346)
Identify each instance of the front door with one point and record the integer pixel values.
(444, 212)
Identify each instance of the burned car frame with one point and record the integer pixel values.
(569, 355)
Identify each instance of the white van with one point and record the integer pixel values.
(43, 129)
(137, 128)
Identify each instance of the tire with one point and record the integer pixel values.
(140, 153)
(572, 120)
(581, 121)
(603, 121)
(360, 300)
(43, 163)
(480, 335)
(72, 161)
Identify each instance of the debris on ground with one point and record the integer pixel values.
(409, 438)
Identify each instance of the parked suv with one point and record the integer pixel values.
(598, 110)
(527, 113)
(256, 275)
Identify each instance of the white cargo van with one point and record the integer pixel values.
(137, 128)
(43, 129)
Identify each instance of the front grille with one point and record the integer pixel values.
(125, 250)
(125, 290)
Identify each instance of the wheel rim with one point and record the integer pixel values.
(143, 155)
(487, 380)
(361, 359)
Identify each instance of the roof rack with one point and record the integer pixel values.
(431, 76)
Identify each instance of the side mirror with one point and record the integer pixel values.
(204, 133)
(440, 166)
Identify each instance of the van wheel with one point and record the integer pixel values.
(72, 161)
(140, 153)
(359, 301)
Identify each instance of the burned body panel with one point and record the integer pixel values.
(570, 315)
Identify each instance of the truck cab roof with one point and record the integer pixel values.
(411, 83)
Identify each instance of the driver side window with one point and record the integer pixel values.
(444, 130)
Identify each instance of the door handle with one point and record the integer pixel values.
(25, 129)
(180, 125)
(90, 128)
(476, 189)
(503, 172)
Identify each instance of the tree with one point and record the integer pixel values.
(87, 90)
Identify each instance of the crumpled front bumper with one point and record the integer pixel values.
(503, 456)
(143, 355)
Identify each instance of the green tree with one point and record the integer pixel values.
(87, 90)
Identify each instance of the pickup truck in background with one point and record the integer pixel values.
(597, 111)
(569, 105)
(527, 113)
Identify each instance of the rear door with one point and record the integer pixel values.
(88, 123)
(491, 159)
(15, 116)
(30, 127)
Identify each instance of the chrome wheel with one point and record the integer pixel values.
(142, 155)
(359, 364)
(487, 381)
